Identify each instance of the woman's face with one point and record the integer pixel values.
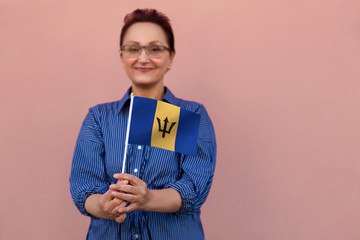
(143, 71)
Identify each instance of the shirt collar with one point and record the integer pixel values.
(168, 97)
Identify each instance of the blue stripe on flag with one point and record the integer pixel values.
(142, 120)
(187, 133)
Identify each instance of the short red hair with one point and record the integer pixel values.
(153, 16)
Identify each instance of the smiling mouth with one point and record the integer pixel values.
(140, 69)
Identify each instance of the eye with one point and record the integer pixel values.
(155, 48)
(133, 48)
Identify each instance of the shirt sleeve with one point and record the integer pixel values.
(197, 172)
(88, 175)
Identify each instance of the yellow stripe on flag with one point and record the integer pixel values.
(165, 126)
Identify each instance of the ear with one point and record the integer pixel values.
(122, 59)
(172, 56)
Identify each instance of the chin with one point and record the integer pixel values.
(145, 84)
(145, 81)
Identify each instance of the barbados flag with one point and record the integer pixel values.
(163, 125)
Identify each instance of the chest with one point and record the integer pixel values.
(155, 166)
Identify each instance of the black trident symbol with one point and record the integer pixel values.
(164, 131)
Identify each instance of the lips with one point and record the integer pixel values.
(142, 69)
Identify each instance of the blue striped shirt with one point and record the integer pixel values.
(98, 155)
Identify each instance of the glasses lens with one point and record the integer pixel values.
(152, 51)
(132, 51)
(155, 51)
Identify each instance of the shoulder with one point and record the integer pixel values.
(206, 127)
(190, 105)
(105, 108)
(103, 111)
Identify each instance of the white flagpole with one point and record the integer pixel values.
(127, 132)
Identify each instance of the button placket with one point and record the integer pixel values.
(138, 159)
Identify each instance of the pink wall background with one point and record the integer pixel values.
(279, 78)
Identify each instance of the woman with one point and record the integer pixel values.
(161, 192)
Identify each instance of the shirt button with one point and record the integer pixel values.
(135, 170)
(139, 147)
(136, 235)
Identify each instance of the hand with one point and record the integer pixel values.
(107, 203)
(136, 192)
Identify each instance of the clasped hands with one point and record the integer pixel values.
(128, 188)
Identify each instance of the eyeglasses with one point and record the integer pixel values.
(152, 51)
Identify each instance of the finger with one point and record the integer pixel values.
(130, 208)
(115, 186)
(129, 177)
(120, 218)
(115, 212)
(125, 196)
(115, 202)
(123, 182)
(107, 196)
(123, 188)
(108, 203)
(118, 206)
(114, 205)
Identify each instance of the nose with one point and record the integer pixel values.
(143, 57)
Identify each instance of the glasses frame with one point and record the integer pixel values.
(146, 49)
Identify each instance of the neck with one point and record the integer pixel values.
(156, 93)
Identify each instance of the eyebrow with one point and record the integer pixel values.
(153, 42)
